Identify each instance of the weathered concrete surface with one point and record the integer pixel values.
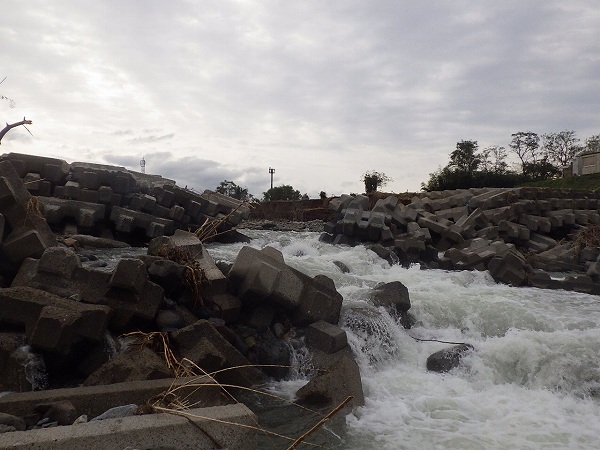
(261, 276)
(203, 345)
(51, 322)
(127, 290)
(199, 428)
(331, 387)
(94, 400)
(30, 235)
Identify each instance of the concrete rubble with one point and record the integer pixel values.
(64, 323)
(514, 233)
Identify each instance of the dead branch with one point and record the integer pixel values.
(319, 423)
(10, 126)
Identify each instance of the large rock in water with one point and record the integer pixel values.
(447, 359)
(262, 276)
(393, 296)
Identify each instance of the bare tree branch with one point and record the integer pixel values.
(10, 126)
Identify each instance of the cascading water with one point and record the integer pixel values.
(532, 380)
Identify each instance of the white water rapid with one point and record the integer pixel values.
(532, 381)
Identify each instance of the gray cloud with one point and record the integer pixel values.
(151, 138)
(322, 91)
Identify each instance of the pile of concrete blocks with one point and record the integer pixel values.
(261, 277)
(23, 230)
(515, 230)
(100, 199)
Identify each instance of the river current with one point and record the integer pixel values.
(531, 382)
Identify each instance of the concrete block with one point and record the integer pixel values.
(51, 169)
(127, 220)
(51, 322)
(84, 214)
(202, 344)
(129, 274)
(432, 225)
(325, 337)
(339, 203)
(513, 231)
(94, 400)
(181, 431)
(262, 276)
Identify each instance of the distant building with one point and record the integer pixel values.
(586, 163)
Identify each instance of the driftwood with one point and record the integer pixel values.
(10, 126)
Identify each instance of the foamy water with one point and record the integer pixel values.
(531, 381)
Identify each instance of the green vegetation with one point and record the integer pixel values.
(589, 182)
(283, 192)
(232, 190)
(374, 180)
(542, 160)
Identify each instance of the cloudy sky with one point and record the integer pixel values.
(322, 91)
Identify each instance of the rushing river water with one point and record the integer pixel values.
(532, 381)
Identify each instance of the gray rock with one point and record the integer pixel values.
(11, 423)
(117, 412)
(447, 359)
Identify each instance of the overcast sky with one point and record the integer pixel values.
(320, 90)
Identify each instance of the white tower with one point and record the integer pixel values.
(143, 164)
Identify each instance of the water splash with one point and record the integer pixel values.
(34, 366)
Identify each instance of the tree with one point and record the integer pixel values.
(232, 190)
(540, 170)
(8, 127)
(561, 147)
(374, 180)
(465, 158)
(525, 145)
(284, 192)
(322, 195)
(592, 144)
(493, 159)
(469, 168)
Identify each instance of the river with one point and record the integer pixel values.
(532, 381)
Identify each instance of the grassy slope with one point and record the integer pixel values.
(587, 182)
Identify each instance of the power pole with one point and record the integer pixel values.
(271, 171)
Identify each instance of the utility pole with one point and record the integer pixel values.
(271, 171)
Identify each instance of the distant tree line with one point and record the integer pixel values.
(283, 192)
(540, 158)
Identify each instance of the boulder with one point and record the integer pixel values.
(61, 412)
(12, 422)
(392, 296)
(447, 359)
